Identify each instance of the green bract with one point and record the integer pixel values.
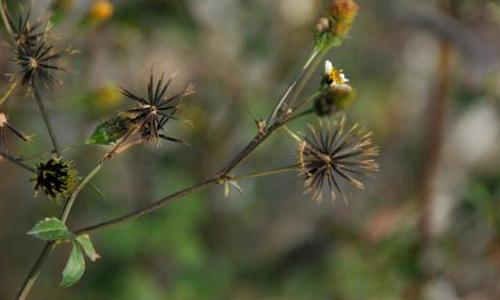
(111, 130)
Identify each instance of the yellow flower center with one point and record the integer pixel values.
(336, 76)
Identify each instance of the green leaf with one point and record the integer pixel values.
(112, 129)
(88, 248)
(51, 229)
(75, 267)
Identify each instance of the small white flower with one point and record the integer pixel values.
(335, 76)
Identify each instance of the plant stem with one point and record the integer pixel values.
(49, 246)
(300, 80)
(307, 76)
(46, 118)
(16, 161)
(81, 185)
(10, 90)
(173, 197)
(264, 173)
(156, 205)
(18, 133)
(5, 18)
(34, 272)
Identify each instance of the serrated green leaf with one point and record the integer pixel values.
(51, 229)
(88, 248)
(112, 129)
(75, 267)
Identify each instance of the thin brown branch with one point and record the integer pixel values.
(46, 119)
(16, 161)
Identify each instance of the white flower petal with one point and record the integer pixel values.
(343, 78)
(328, 67)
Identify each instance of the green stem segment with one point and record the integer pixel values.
(49, 246)
(300, 81)
(46, 118)
(5, 18)
(264, 173)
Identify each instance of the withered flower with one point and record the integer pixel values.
(56, 178)
(153, 112)
(331, 154)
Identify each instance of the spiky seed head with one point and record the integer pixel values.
(26, 32)
(38, 62)
(330, 155)
(154, 111)
(56, 178)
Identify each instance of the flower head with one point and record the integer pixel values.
(152, 113)
(334, 28)
(334, 76)
(55, 177)
(344, 10)
(330, 155)
(336, 94)
(35, 57)
(37, 62)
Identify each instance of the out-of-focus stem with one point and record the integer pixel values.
(432, 157)
(4, 12)
(299, 81)
(10, 90)
(16, 161)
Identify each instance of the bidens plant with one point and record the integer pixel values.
(329, 157)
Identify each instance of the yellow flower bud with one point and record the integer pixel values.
(101, 10)
(344, 10)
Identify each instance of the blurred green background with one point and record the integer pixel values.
(271, 242)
